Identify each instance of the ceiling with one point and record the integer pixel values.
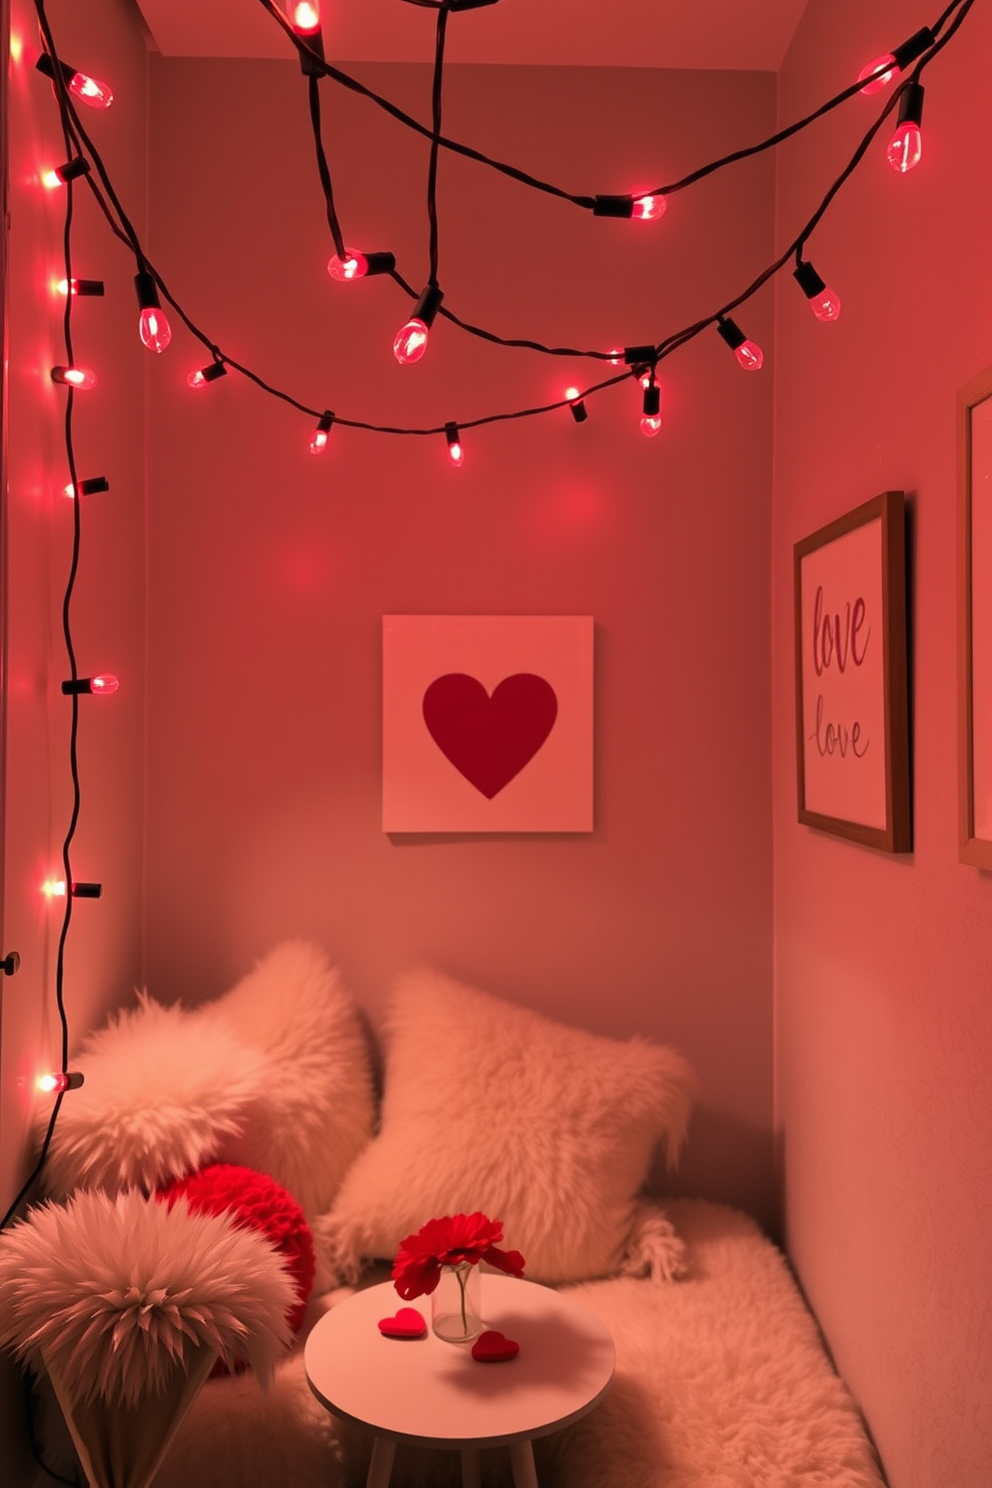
(747, 34)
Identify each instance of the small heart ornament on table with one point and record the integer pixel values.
(407, 1323)
(493, 1347)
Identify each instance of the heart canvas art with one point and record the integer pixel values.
(487, 723)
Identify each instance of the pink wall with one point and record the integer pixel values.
(270, 570)
(884, 965)
(103, 952)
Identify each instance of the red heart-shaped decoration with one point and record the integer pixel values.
(489, 739)
(407, 1323)
(493, 1347)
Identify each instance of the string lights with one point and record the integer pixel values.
(302, 27)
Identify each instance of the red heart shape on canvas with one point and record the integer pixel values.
(489, 740)
(493, 1347)
(407, 1323)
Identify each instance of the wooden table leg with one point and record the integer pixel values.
(522, 1462)
(381, 1466)
(470, 1468)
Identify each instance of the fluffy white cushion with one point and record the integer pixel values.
(315, 1110)
(274, 1076)
(491, 1106)
(160, 1096)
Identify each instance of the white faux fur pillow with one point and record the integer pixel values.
(315, 1110)
(160, 1095)
(274, 1076)
(491, 1106)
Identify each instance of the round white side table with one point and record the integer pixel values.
(435, 1394)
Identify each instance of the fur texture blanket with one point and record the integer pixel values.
(722, 1382)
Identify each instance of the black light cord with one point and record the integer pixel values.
(323, 169)
(73, 673)
(436, 91)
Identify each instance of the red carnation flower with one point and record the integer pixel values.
(450, 1241)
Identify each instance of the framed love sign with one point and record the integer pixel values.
(975, 620)
(487, 723)
(852, 715)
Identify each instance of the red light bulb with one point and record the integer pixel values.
(104, 684)
(355, 266)
(202, 375)
(749, 355)
(90, 90)
(304, 16)
(86, 287)
(53, 888)
(318, 440)
(53, 1082)
(823, 301)
(651, 409)
(650, 208)
(61, 175)
(877, 84)
(905, 147)
(153, 326)
(455, 452)
(825, 306)
(81, 378)
(410, 342)
(576, 406)
(154, 329)
(92, 486)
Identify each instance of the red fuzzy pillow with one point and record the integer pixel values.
(259, 1203)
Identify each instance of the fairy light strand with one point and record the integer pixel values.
(62, 96)
(585, 201)
(124, 230)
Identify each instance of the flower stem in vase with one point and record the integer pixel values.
(455, 1311)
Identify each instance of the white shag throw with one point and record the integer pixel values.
(112, 1293)
(722, 1382)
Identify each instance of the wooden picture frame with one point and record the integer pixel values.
(975, 621)
(852, 704)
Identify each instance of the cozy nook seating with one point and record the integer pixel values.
(721, 1379)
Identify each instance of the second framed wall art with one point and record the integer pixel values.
(852, 713)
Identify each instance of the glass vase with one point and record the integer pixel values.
(456, 1313)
